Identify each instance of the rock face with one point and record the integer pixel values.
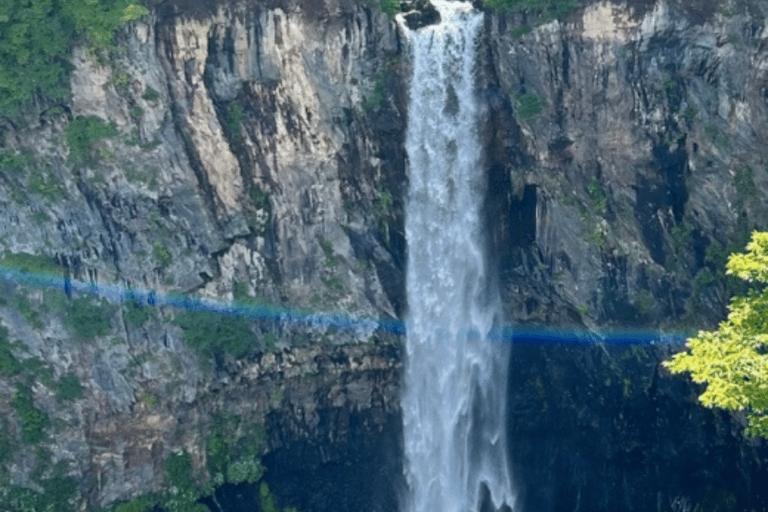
(257, 155)
(419, 13)
(607, 429)
(623, 160)
(624, 164)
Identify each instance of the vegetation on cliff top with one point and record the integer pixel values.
(36, 38)
(543, 11)
(733, 360)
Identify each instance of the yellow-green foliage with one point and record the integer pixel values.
(733, 360)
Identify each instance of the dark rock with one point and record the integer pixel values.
(420, 13)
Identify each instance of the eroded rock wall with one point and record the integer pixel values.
(625, 162)
(256, 155)
(625, 152)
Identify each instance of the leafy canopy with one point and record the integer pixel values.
(36, 37)
(733, 360)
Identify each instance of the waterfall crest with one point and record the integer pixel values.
(455, 380)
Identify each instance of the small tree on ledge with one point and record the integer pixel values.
(733, 360)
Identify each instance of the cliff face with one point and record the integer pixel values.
(625, 161)
(257, 155)
(253, 156)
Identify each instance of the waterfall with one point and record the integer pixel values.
(455, 380)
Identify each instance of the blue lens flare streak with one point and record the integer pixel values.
(525, 336)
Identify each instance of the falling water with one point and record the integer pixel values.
(453, 406)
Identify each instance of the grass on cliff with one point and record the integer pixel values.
(36, 39)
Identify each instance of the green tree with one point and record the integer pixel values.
(733, 360)
(36, 37)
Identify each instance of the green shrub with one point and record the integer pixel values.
(33, 421)
(529, 106)
(38, 370)
(89, 317)
(260, 199)
(136, 313)
(9, 365)
(68, 388)
(597, 195)
(162, 254)
(330, 256)
(267, 499)
(231, 457)
(178, 469)
(233, 120)
(150, 95)
(682, 237)
(546, 10)
(45, 184)
(6, 444)
(689, 114)
(140, 504)
(150, 399)
(382, 212)
(211, 333)
(22, 304)
(744, 182)
(34, 53)
(183, 491)
(83, 134)
(375, 97)
(520, 31)
(258, 220)
(645, 303)
(15, 162)
(35, 42)
(59, 492)
(388, 7)
(334, 285)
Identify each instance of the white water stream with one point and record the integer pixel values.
(455, 384)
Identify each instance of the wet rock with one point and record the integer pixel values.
(420, 13)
